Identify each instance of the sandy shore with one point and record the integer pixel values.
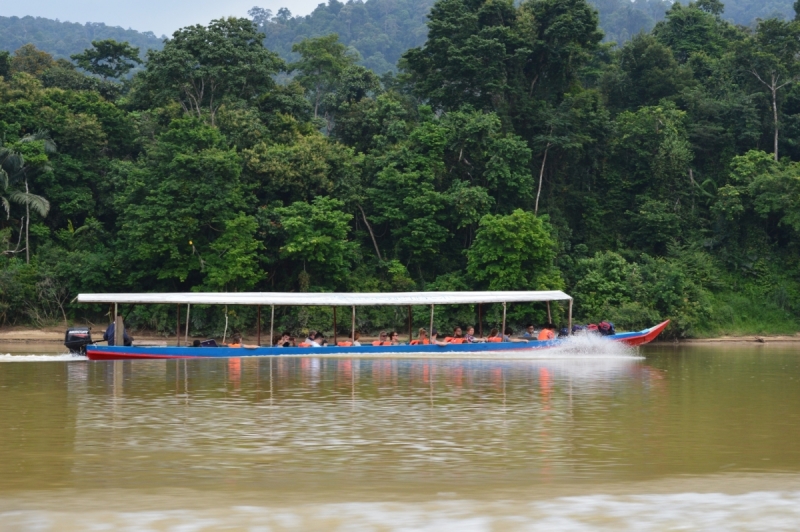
(56, 334)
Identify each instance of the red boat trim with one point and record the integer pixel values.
(102, 355)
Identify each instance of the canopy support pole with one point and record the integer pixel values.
(503, 332)
(119, 328)
(272, 327)
(258, 322)
(569, 322)
(334, 326)
(188, 309)
(178, 328)
(430, 332)
(549, 316)
(410, 334)
(225, 331)
(480, 320)
(353, 326)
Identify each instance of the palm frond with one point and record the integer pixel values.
(44, 135)
(6, 206)
(34, 201)
(11, 160)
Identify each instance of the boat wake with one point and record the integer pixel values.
(41, 358)
(580, 346)
(588, 345)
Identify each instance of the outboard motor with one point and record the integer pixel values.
(77, 338)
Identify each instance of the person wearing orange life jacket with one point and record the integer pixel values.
(494, 336)
(236, 340)
(457, 338)
(548, 332)
(435, 339)
(383, 339)
(422, 338)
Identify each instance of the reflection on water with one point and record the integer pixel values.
(337, 430)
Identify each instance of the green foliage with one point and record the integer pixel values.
(514, 252)
(322, 61)
(30, 60)
(108, 58)
(5, 63)
(203, 67)
(313, 237)
(176, 201)
(635, 294)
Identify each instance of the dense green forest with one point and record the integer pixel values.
(514, 150)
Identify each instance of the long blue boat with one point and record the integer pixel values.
(352, 300)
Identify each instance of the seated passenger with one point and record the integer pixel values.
(236, 340)
(529, 331)
(470, 336)
(383, 339)
(319, 340)
(394, 338)
(355, 337)
(285, 340)
(494, 336)
(422, 338)
(435, 338)
(548, 332)
(507, 336)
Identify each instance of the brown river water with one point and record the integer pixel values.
(589, 437)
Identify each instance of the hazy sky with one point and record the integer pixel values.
(158, 16)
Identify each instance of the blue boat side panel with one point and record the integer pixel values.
(234, 352)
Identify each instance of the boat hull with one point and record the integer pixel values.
(102, 352)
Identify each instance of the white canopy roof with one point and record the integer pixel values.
(326, 299)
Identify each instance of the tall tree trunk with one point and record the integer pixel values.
(27, 228)
(371, 234)
(541, 176)
(775, 115)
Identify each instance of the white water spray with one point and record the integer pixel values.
(42, 358)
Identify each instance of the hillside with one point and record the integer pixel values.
(380, 30)
(62, 39)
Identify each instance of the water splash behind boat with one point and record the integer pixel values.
(42, 358)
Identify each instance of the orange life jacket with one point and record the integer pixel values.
(304, 344)
(451, 340)
(378, 342)
(418, 342)
(494, 339)
(546, 334)
(234, 345)
(344, 344)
